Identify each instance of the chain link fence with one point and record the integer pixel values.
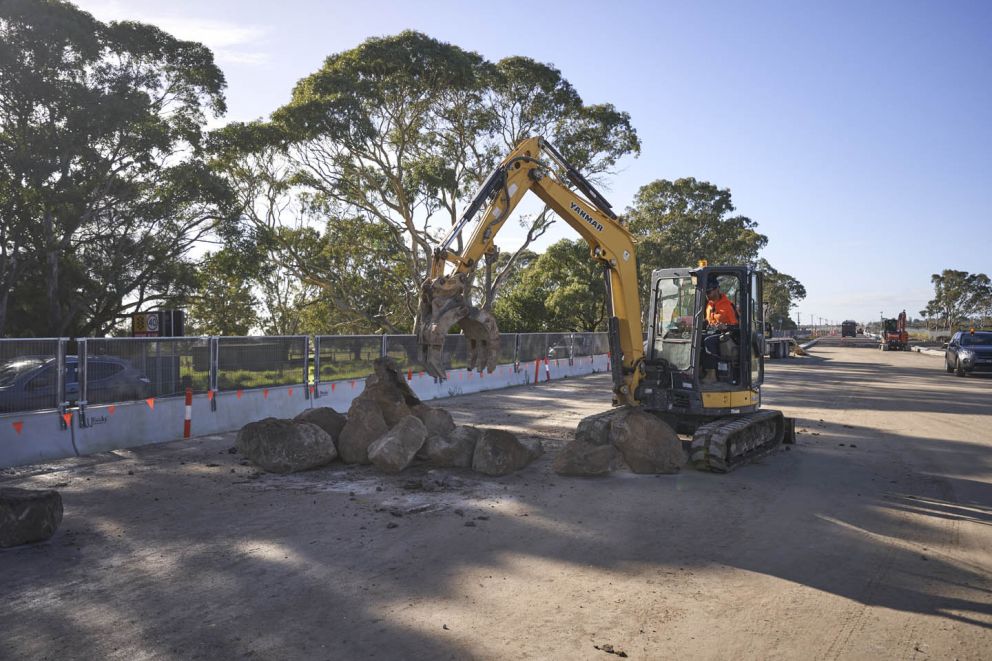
(128, 369)
(33, 374)
(42, 373)
(262, 362)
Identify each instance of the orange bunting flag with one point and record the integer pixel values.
(151, 403)
(333, 386)
(210, 395)
(409, 374)
(112, 409)
(290, 392)
(353, 384)
(265, 393)
(18, 426)
(240, 393)
(68, 418)
(312, 388)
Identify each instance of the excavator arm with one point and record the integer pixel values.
(444, 298)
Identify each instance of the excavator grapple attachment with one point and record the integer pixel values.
(443, 303)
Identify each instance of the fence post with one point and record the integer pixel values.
(516, 353)
(316, 366)
(306, 367)
(82, 376)
(214, 350)
(383, 349)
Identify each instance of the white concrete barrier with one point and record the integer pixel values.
(39, 436)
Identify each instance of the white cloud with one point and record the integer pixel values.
(232, 43)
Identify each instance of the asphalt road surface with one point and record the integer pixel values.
(870, 538)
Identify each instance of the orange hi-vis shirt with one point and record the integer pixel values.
(721, 311)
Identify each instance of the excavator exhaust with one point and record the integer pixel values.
(444, 303)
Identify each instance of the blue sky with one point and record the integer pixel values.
(857, 134)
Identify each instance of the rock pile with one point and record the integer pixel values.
(387, 426)
(622, 436)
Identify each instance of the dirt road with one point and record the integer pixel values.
(871, 538)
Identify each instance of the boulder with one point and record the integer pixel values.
(365, 425)
(326, 418)
(438, 423)
(394, 451)
(388, 389)
(499, 452)
(584, 458)
(28, 515)
(285, 446)
(437, 420)
(595, 429)
(454, 450)
(648, 444)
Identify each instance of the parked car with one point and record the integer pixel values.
(969, 351)
(29, 382)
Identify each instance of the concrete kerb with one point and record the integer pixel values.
(37, 436)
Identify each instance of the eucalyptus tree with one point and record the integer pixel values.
(392, 137)
(102, 188)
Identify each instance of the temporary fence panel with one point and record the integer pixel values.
(137, 368)
(405, 350)
(33, 374)
(590, 344)
(340, 357)
(531, 347)
(245, 363)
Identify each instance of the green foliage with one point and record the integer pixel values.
(959, 297)
(677, 223)
(562, 290)
(223, 303)
(781, 293)
(395, 135)
(102, 187)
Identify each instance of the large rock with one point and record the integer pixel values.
(286, 446)
(595, 429)
(365, 425)
(455, 450)
(584, 458)
(438, 421)
(648, 445)
(499, 452)
(28, 515)
(326, 418)
(388, 389)
(396, 448)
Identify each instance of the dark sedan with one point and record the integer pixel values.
(969, 351)
(29, 382)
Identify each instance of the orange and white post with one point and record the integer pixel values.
(189, 413)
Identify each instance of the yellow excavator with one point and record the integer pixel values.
(664, 374)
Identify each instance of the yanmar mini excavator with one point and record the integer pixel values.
(661, 375)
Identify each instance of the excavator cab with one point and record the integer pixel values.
(682, 347)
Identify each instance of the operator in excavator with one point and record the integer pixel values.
(721, 319)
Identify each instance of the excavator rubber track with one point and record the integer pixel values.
(724, 444)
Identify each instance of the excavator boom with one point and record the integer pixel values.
(445, 298)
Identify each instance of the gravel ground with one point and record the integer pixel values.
(869, 538)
